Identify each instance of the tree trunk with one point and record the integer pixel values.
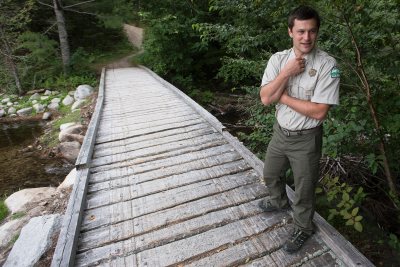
(9, 62)
(63, 35)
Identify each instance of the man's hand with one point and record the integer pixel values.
(294, 66)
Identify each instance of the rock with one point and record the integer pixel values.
(5, 100)
(46, 116)
(44, 97)
(34, 102)
(69, 180)
(12, 110)
(39, 108)
(35, 96)
(18, 201)
(66, 125)
(71, 93)
(25, 111)
(56, 100)
(9, 104)
(83, 91)
(34, 240)
(9, 230)
(53, 106)
(77, 104)
(55, 92)
(65, 137)
(48, 92)
(2, 113)
(68, 100)
(69, 150)
(75, 129)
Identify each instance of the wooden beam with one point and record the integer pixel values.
(86, 151)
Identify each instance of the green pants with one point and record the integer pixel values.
(302, 153)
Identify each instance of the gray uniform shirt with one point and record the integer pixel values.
(319, 83)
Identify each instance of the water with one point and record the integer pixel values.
(23, 168)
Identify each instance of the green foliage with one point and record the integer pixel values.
(344, 201)
(69, 83)
(18, 215)
(39, 58)
(394, 242)
(3, 210)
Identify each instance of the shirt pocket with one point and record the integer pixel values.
(307, 88)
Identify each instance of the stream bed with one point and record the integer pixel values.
(22, 168)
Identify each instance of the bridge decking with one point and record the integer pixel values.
(164, 185)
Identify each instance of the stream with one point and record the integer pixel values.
(22, 168)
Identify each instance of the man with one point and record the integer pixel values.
(304, 82)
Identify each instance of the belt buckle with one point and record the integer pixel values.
(285, 132)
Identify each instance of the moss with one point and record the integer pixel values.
(18, 215)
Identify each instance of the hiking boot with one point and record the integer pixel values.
(295, 241)
(267, 206)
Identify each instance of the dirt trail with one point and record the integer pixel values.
(135, 36)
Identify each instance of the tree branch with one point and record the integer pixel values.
(81, 3)
(79, 12)
(44, 4)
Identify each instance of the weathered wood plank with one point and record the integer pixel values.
(153, 122)
(170, 198)
(219, 238)
(152, 140)
(174, 231)
(152, 136)
(257, 246)
(132, 152)
(186, 154)
(86, 151)
(143, 186)
(113, 214)
(194, 245)
(150, 130)
(64, 254)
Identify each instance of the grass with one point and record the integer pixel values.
(3, 210)
(18, 215)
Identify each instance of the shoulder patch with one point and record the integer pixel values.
(335, 72)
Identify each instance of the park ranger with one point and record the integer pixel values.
(303, 82)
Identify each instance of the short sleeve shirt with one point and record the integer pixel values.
(319, 83)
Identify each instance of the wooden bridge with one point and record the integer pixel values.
(161, 183)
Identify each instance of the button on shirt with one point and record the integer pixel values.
(319, 83)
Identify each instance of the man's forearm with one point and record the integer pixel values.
(272, 92)
(310, 109)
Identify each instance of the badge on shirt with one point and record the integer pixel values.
(335, 72)
(312, 72)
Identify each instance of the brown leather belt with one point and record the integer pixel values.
(299, 132)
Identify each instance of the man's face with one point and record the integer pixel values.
(304, 34)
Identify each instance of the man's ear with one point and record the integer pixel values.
(290, 33)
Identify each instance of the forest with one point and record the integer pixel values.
(213, 47)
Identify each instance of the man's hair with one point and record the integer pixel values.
(303, 13)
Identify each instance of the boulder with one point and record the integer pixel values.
(56, 100)
(69, 150)
(10, 104)
(34, 102)
(48, 92)
(9, 230)
(66, 125)
(19, 200)
(12, 110)
(5, 100)
(78, 104)
(46, 116)
(64, 137)
(69, 180)
(35, 96)
(25, 111)
(68, 100)
(39, 107)
(71, 93)
(53, 106)
(34, 240)
(83, 91)
(2, 113)
(75, 129)
(44, 97)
